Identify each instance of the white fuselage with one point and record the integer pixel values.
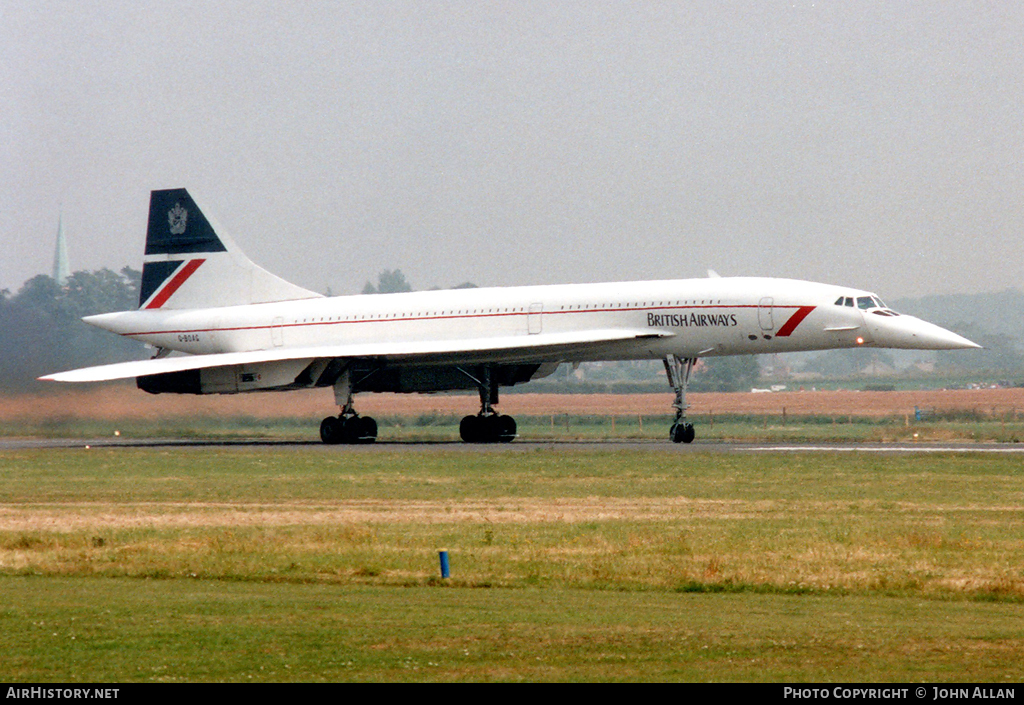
(686, 318)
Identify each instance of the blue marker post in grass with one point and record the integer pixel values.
(445, 572)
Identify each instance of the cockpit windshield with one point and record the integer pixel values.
(866, 303)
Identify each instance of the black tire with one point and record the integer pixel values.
(682, 433)
(488, 429)
(332, 430)
(364, 429)
(506, 429)
(470, 429)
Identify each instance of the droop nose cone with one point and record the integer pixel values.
(914, 334)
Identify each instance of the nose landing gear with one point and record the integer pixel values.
(678, 372)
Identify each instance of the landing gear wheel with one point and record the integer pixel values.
(487, 429)
(370, 429)
(332, 430)
(506, 427)
(363, 429)
(471, 429)
(682, 432)
(348, 429)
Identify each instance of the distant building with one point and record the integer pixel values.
(61, 266)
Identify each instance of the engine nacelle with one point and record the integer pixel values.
(231, 379)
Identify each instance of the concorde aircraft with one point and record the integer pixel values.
(222, 325)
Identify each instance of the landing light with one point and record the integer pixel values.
(860, 341)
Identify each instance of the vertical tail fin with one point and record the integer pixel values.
(189, 264)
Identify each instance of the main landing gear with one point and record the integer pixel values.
(347, 427)
(488, 426)
(679, 377)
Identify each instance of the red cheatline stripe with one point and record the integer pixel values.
(794, 320)
(176, 281)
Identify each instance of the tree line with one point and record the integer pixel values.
(43, 331)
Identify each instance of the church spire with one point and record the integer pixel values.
(61, 267)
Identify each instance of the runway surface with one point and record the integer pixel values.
(521, 445)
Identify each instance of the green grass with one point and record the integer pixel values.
(109, 631)
(320, 563)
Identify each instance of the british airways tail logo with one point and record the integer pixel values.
(177, 218)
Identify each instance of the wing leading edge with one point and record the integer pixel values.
(538, 347)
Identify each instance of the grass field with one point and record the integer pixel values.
(110, 630)
(317, 563)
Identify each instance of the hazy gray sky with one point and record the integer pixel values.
(877, 145)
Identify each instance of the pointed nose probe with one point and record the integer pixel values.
(912, 333)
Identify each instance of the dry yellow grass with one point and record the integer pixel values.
(116, 401)
(99, 516)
